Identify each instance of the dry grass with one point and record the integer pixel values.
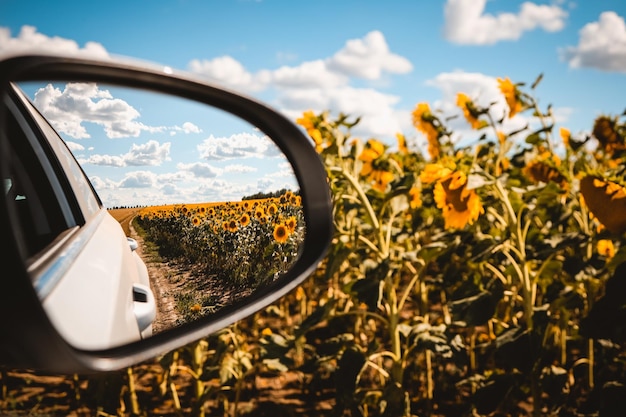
(124, 217)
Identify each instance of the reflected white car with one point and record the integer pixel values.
(92, 284)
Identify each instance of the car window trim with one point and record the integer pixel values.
(32, 132)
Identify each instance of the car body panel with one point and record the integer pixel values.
(99, 284)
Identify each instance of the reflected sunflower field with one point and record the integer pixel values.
(244, 244)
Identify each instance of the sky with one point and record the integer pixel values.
(372, 59)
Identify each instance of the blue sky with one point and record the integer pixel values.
(368, 58)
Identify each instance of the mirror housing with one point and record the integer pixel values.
(29, 338)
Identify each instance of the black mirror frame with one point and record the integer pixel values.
(28, 338)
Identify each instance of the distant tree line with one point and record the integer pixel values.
(125, 207)
(271, 194)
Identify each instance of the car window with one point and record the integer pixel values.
(39, 215)
(46, 186)
(85, 195)
(81, 188)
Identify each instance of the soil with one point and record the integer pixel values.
(162, 287)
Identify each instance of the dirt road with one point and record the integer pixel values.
(163, 289)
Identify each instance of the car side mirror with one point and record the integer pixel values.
(64, 250)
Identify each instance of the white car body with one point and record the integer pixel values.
(93, 286)
(93, 305)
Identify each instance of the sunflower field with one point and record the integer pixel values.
(478, 280)
(246, 244)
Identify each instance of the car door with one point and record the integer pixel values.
(78, 258)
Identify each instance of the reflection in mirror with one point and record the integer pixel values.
(209, 202)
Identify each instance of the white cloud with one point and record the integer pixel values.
(68, 110)
(376, 109)
(601, 45)
(226, 70)
(30, 41)
(239, 168)
(74, 147)
(265, 184)
(325, 84)
(151, 153)
(101, 184)
(368, 58)
(139, 179)
(379, 118)
(467, 23)
(200, 170)
(239, 146)
(186, 128)
(105, 160)
(310, 74)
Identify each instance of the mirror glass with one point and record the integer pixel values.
(207, 202)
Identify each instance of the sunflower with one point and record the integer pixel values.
(423, 121)
(606, 200)
(546, 171)
(605, 247)
(566, 136)
(373, 150)
(511, 95)
(374, 165)
(415, 197)
(272, 209)
(316, 135)
(460, 205)
(434, 172)
(605, 129)
(380, 179)
(307, 121)
(196, 221)
(232, 226)
(470, 111)
(244, 220)
(281, 233)
(291, 224)
(402, 143)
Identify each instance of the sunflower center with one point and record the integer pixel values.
(455, 196)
